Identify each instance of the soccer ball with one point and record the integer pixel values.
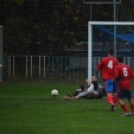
(54, 92)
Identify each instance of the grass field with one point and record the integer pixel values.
(28, 108)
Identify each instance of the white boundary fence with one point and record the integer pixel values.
(53, 66)
(25, 64)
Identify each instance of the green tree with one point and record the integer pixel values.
(50, 27)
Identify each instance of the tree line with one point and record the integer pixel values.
(50, 27)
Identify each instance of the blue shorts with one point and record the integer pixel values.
(111, 86)
(123, 94)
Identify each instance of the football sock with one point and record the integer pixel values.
(114, 100)
(124, 107)
(110, 99)
(132, 108)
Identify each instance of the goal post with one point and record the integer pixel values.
(90, 37)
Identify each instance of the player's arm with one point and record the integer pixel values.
(88, 82)
(116, 74)
(133, 74)
(99, 66)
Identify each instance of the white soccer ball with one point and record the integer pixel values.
(54, 92)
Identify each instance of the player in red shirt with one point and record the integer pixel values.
(124, 74)
(107, 65)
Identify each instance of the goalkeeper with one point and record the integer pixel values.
(94, 90)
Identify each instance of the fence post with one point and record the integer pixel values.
(44, 67)
(9, 66)
(26, 66)
(39, 66)
(13, 66)
(31, 67)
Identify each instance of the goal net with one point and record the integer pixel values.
(105, 35)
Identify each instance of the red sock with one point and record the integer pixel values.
(124, 107)
(110, 99)
(115, 100)
(132, 108)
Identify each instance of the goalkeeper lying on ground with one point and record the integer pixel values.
(94, 90)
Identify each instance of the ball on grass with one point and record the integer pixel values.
(54, 92)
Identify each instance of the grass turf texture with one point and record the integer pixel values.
(28, 108)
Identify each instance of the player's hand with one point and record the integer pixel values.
(87, 81)
(112, 80)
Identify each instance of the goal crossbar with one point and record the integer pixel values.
(90, 24)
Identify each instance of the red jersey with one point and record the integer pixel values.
(124, 75)
(107, 65)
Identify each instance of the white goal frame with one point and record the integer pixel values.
(101, 2)
(90, 42)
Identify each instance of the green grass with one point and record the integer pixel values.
(28, 108)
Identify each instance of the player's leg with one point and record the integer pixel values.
(115, 93)
(86, 92)
(115, 100)
(124, 107)
(131, 105)
(95, 94)
(109, 90)
(89, 93)
(131, 101)
(76, 92)
(100, 93)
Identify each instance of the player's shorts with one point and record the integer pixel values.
(111, 86)
(123, 94)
